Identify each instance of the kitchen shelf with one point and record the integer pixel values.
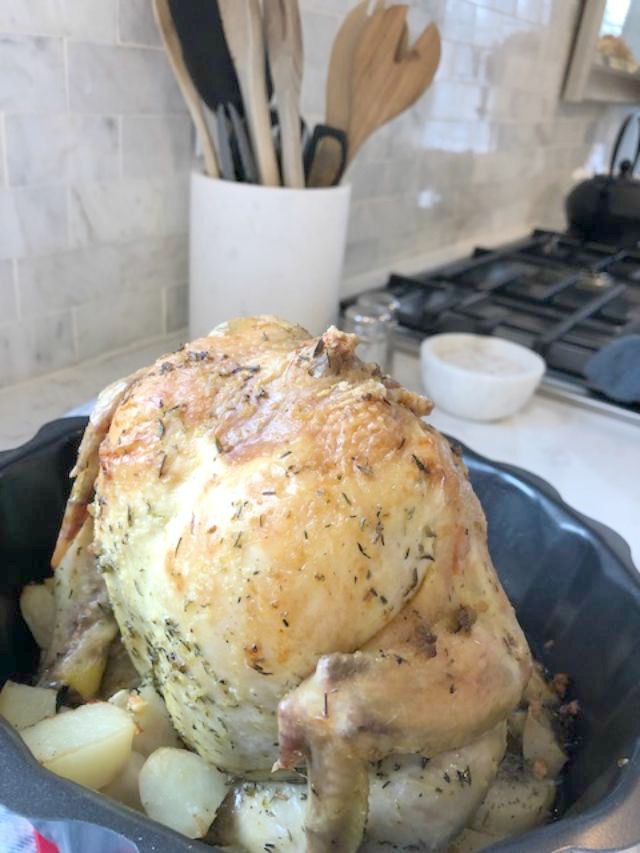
(590, 79)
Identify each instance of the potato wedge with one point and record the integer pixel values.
(120, 673)
(180, 790)
(24, 706)
(539, 743)
(515, 724)
(38, 608)
(153, 723)
(515, 803)
(90, 745)
(124, 787)
(471, 841)
(540, 690)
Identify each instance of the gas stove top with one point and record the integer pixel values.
(550, 292)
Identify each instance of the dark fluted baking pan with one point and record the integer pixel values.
(571, 580)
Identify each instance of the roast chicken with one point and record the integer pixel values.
(298, 563)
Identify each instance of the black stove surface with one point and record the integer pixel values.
(550, 292)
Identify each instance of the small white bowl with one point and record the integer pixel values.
(477, 377)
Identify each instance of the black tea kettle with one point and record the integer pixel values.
(606, 208)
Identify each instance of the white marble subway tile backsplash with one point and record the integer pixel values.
(63, 280)
(32, 77)
(156, 261)
(130, 315)
(176, 307)
(58, 149)
(103, 213)
(48, 342)
(36, 345)
(136, 24)
(120, 79)
(8, 301)
(33, 221)
(3, 151)
(156, 145)
(92, 20)
(96, 147)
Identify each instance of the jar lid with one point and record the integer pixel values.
(378, 297)
(368, 316)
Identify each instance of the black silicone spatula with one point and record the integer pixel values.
(171, 41)
(205, 50)
(207, 58)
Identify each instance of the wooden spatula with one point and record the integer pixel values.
(172, 45)
(328, 161)
(242, 22)
(284, 47)
(385, 81)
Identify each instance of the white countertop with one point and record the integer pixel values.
(24, 408)
(592, 459)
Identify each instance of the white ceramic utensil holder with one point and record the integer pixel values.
(265, 250)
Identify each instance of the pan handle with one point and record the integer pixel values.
(618, 143)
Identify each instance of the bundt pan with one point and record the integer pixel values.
(571, 580)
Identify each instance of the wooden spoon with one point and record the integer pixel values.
(242, 22)
(385, 81)
(171, 42)
(284, 45)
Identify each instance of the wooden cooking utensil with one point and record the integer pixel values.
(384, 82)
(242, 22)
(284, 46)
(206, 55)
(205, 51)
(338, 92)
(328, 160)
(322, 134)
(327, 156)
(171, 42)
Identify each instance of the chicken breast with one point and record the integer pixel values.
(300, 564)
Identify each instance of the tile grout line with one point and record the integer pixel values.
(164, 310)
(16, 288)
(4, 147)
(67, 202)
(120, 120)
(120, 42)
(67, 93)
(65, 65)
(74, 333)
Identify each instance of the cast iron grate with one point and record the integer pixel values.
(550, 292)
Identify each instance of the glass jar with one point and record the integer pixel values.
(379, 298)
(372, 323)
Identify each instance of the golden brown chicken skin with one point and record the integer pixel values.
(301, 565)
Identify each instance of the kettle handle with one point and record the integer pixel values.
(616, 147)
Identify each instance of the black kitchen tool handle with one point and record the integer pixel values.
(320, 133)
(619, 139)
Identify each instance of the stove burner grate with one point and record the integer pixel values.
(564, 298)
